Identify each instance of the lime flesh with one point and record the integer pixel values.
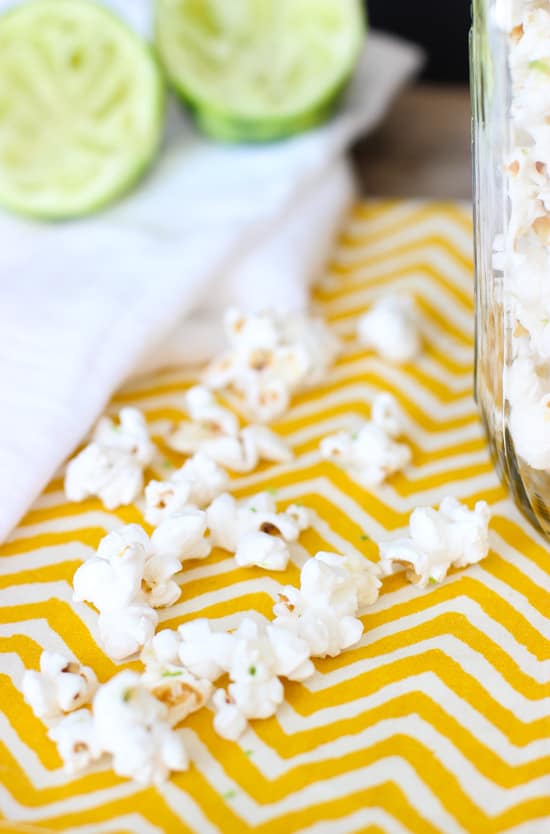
(81, 108)
(256, 70)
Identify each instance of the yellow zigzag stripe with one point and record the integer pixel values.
(408, 246)
(419, 211)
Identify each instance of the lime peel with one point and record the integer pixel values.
(256, 71)
(82, 108)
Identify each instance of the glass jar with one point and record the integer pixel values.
(510, 78)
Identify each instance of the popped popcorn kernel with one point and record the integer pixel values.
(133, 726)
(391, 328)
(61, 686)
(111, 465)
(370, 452)
(254, 531)
(452, 536)
(76, 741)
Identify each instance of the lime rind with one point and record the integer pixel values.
(230, 80)
(81, 108)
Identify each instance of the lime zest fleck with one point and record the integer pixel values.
(252, 670)
(364, 537)
(127, 694)
(172, 674)
(249, 753)
(541, 65)
(229, 794)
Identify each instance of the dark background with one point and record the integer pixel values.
(440, 26)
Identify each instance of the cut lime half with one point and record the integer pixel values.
(255, 70)
(81, 108)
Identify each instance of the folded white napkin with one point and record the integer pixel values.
(83, 304)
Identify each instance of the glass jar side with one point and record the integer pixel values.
(504, 337)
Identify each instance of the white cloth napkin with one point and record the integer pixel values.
(83, 304)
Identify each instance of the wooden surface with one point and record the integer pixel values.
(423, 147)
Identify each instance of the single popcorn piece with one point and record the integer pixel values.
(325, 634)
(162, 650)
(391, 328)
(262, 652)
(263, 550)
(112, 578)
(370, 453)
(229, 721)
(130, 566)
(176, 686)
(195, 484)
(124, 631)
(133, 726)
(201, 405)
(291, 654)
(132, 574)
(255, 689)
(454, 536)
(130, 435)
(165, 498)
(339, 583)
(111, 466)
(206, 653)
(257, 699)
(363, 573)
(302, 516)
(387, 414)
(269, 400)
(270, 358)
(75, 737)
(252, 657)
(177, 539)
(180, 691)
(323, 611)
(61, 685)
(261, 655)
(208, 421)
(254, 531)
(110, 474)
(205, 477)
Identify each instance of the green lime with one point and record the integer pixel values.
(256, 70)
(81, 108)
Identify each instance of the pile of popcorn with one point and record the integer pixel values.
(269, 358)
(132, 721)
(521, 259)
(133, 717)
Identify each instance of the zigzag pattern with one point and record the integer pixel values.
(438, 722)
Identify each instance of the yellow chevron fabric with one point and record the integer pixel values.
(438, 722)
